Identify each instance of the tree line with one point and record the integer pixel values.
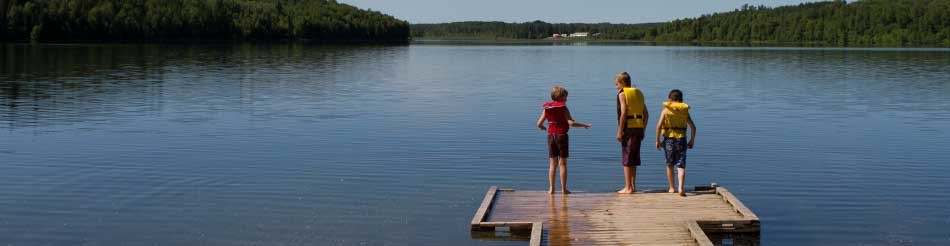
(834, 23)
(837, 23)
(527, 30)
(158, 20)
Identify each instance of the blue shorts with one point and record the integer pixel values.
(675, 151)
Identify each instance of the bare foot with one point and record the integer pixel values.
(565, 191)
(671, 190)
(550, 190)
(625, 191)
(682, 194)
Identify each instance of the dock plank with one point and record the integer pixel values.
(486, 204)
(614, 219)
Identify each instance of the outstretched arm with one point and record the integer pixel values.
(570, 120)
(541, 121)
(658, 124)
(692, 131)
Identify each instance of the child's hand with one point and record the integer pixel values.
(690, 144)
(542, 128)
(657, 145)
(587, 126)
(619, 138)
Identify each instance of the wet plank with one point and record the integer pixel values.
(614, 219)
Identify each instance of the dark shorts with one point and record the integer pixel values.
(675, 151)
(630, 146)
(557, 145)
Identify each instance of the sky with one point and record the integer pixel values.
(555, 11)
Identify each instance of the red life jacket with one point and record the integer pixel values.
(556, 114)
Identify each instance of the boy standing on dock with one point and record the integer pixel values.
(672, 126)
(559, 121)
(632, 118)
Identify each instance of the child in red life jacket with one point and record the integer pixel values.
(559, 121)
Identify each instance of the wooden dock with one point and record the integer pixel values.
(644, 218)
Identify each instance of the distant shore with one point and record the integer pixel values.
(566, 41)
(908, 23)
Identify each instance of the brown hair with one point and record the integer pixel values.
(623, 77)
(558, 93)
(676, 95)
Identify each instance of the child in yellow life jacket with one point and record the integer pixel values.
(672, 126)
(632, 115)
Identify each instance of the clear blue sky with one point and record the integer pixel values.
(588, 11)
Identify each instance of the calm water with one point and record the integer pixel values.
(303, 145)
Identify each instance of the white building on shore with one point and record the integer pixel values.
(573, 35)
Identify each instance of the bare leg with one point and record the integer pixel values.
(633, 179)
(629, 179)
(682, 177)
(669, 178)
(563, 167)
(626, 181)
(551, 169)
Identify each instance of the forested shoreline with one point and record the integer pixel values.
(835, 23)
(170, 20)
(528, 30)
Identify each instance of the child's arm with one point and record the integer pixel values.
(658, 124)
(692, 131)
(541, 121)
(646, 116)
(623, 117)
(570, 120)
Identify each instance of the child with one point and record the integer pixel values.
(559, 120)
(632, 118)
(672, 126)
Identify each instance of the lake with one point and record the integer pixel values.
(244, 144)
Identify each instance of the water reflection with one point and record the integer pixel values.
(735, 239)
(560, 231)
(67, 84)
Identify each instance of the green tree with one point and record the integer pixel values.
(157, 20)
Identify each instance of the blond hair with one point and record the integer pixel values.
(623, 77)
(558, 93)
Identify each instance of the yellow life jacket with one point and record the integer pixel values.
(675, 117)
(635, 107)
